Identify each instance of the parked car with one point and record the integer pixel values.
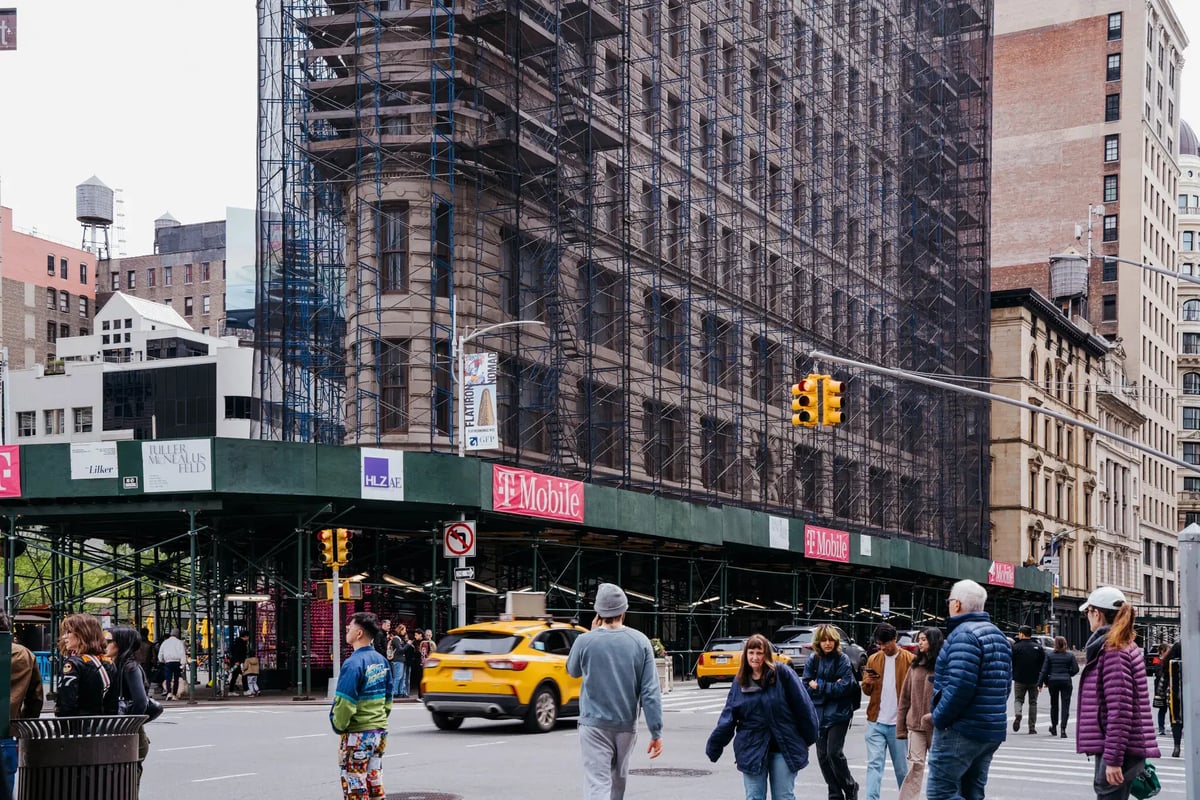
(908, 640)
(796, 642)
(722, 659)
(511, 669)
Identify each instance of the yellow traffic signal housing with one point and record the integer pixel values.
(804, 402)
(351, 590)
(343, 537)
(831, 401)
(328, 543)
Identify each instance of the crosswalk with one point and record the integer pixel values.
(689, 698)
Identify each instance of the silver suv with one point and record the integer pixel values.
(796, 641)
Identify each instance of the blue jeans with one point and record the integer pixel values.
(782, 779)
(958, 766)
(882, 742)
(399, 679)
(8, 757)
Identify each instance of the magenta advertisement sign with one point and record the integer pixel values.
(519, 491)
(826, 544)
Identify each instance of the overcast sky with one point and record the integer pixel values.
(158, 98)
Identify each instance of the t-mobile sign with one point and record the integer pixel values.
(8, 29)
(826, 544)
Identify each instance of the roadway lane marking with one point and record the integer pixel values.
(225, 777)
(487, 744)
(307, 736)
(394, 755)
(189, 747)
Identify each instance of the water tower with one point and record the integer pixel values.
(94, 210)
(1069, 282)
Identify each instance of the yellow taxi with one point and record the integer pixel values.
(508, 669)
(720, 662)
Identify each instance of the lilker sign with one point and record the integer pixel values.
(519, 491)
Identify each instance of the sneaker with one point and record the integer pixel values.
(1017, 725)
(1064, 733)
(170, 697)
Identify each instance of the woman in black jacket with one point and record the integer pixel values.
(86, 687)
(1057, 671)
(124, 645)
(830, 682)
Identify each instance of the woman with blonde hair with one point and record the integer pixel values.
(771, 721)
(88, 678)
(1114, 723)
(832, 686)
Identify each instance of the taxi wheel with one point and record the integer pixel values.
(543, 711)
(703, 683)
(446, 722)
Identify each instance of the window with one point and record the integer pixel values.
(391, 232)
(187, 306)
(1191, 383)
(83, 306)
(116, 281)
(205, 271)
(1191, 418)
(1113, 71)
(83, 274)
(64, 302)
(1112, 147)
(1109, 308)
(1110, 188)
(205, 304)
(83, 419)
(1110, 227)
(187, 273)
(53, 418)
(239, 407)
(167, 278)
(50, 265)
(1112, 107)
(151, 281)
(393, 384)
(661, 428)
(51, 298)
(1114, 26)
(1189, 240)
(1191, 311)
(1191, 344)
(26, 423)
(1191, 484)
(1191, 454)
(443, 250)
(1110, 269)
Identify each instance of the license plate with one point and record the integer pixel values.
(722, 659)
(462, 674)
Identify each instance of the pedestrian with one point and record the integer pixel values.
(1027, 659)
(1174, 666)
(237, 656)
(771, 721)
(360, 711)
(913, 720)
(148, 658)
(416, 672)
(830, 681)
(172, 654)
(250, 670)
(971, 681)
(617, 666)
(24, 700)
(430, 644)
(1162, 690)
(86, 687)
(396, 654)
(1057, 671)
(381, 637)
(883, 677)
(124, 645)
(1113, 721)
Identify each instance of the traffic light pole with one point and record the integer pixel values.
(337, 624)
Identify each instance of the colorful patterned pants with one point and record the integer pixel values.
(361, 757)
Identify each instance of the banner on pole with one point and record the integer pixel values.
(481, 430)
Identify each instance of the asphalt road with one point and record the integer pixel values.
(243, 749)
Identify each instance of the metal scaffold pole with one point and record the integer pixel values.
(1189, 630)
(192, 601)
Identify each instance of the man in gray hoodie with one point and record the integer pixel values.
(617, 667)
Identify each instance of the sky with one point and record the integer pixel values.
(158, 99)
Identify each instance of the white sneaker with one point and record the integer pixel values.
(170, 697)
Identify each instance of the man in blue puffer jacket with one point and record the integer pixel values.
(971, 682)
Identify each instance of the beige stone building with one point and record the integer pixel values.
(1103, 155)
(1043, 469)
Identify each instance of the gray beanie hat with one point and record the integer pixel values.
(610, 601)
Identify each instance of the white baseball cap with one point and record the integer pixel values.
(1108, 598)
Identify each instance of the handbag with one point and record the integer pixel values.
(1146, 784)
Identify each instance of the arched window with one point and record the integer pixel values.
(1087, 397)
(1047, 378)
(1033, 365)
(1191, 311)
(1058, 383)
(1191, 383)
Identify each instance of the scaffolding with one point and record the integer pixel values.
(690, 195)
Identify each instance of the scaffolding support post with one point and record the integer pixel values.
(1189, 630)
(192, 600)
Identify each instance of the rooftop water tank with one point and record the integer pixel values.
(94, 202)
(166, 221)
(1068, 274)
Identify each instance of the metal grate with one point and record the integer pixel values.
(77, 727)
(670, 772)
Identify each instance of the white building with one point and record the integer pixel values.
(144, 373)
(1164, 574)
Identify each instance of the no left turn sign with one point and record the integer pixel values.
(458, 539)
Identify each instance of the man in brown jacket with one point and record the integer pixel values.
(883, 677)
(25, 700)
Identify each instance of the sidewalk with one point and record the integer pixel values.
(206, 696)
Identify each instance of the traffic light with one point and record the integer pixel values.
(831, 401)
(804, 402)
(343, 537)
(328, 542)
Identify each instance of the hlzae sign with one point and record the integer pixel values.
(519, 491)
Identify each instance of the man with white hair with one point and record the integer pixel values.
(971, 682)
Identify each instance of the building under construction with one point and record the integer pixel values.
(691, 196)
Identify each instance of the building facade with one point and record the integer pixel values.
(143, 374)
(1111, 167)
(1044, 485)
(47, 292)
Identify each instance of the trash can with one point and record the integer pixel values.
(78, 758)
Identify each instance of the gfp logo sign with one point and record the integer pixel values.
(10, 471)
(826, 544)
(519, 491)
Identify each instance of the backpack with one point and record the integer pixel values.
(854, 696)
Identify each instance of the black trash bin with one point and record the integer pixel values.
(78, 758)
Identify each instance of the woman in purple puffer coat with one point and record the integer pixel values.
(1115, 722)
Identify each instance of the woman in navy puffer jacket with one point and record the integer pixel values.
(1114, 721)
(830, 681)
(771, 721)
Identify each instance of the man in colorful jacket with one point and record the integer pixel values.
(971, 681)
(360, 711)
